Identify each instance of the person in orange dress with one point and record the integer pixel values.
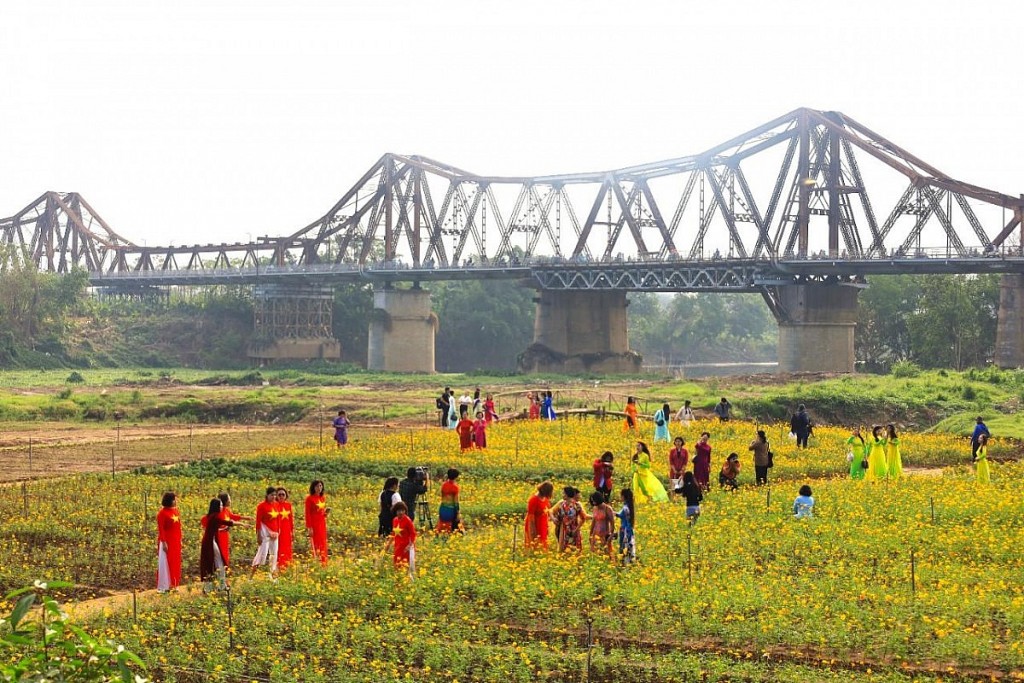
(632, 420)
(464, 428)
(286, 539)
(168, 528)
(537, 517)
(316, 520)
(448, 511)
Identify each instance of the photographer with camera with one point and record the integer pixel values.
(416, 483)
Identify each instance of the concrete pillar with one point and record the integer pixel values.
(580, 331)
(817, 334)
(402, 329)
(1010, 325)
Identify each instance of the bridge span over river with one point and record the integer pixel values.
(800, 210)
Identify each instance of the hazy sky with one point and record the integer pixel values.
(217, 120)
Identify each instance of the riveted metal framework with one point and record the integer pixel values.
(810, 194)
(293, 312)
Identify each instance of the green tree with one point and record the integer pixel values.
(483, 324)
(954, 324)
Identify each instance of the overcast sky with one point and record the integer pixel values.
(217, 120)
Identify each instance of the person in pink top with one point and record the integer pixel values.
(702, 462)
(678, 459)
(480, 430)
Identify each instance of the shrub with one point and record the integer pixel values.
(905, 368)
(75, 378)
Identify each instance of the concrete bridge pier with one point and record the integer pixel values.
(580, 331)
(1009, 351)
(816, 324)
(402, 331)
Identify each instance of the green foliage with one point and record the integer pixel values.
(933, 320)
(75, 378)
(483, 325)
(905, 368)
(701, 327)
(54, 650)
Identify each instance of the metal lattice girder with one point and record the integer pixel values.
(805, 185)
(734, 276)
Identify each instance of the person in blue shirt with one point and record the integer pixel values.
(979, 429)
(803, 506)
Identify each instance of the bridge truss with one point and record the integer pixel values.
(809, 194)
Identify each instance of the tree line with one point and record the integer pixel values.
(931, 320)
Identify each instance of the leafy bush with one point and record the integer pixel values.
(55, 650)
(905, 368)
(75, 378)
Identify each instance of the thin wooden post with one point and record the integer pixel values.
(321, 426)
(768, 500)
(515, 534)
(913, 573)
(231, 627)
(112, 465)
(590, 644)
(689, 557)
(932, 501)
(24, 495)
(135, 606)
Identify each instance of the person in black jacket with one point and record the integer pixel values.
(412, 486)
(800, 424)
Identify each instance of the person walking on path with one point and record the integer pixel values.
(857, 453)
(661, 419)
(893, 459)
(800, 425)
(340, 425)
(702, 461)
(762, 459)
(723, 409)
(979, 429)
(685, 414)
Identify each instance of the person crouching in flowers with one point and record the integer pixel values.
(168, 539)
(403, 539)
(537, 517)
(448, 512)
(730, 471)
(627, 525)
(602, 524)
(693, 494)
(803, 506)
(982, 472)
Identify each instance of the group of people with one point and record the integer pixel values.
(401, 501)
(468, 416)
(876, 458)
(273, 520)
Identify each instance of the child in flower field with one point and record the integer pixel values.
(403, 539)
(803, 506)
(627, 517)
(693, 494)
(602, 524)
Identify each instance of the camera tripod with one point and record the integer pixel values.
(423, 518)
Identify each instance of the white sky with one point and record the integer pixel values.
(217, 120)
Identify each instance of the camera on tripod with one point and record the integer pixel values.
(422, 474)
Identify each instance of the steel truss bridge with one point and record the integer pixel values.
(810, 196)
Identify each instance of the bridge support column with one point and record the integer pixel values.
(580, 331)
(816, 327)
(293, 322)
(1010, 324)
(401, 331)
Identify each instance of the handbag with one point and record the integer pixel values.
(864, 463)
(771, 459)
